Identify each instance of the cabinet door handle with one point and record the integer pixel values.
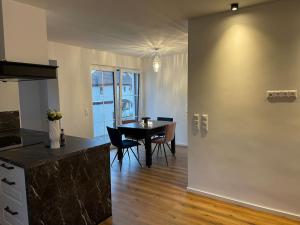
(4, 180)
(7, 209)
(6, 167)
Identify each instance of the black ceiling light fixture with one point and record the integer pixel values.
(234, 7)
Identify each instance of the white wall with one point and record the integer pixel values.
(251, 152)
(24, 32)
(165, 92)
(9, 97)
(74, 80)
(25, 40)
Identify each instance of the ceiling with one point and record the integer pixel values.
(130, 27)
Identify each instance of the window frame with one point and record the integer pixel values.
(117, 99)
(137, 109)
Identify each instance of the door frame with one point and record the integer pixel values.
(103, 69)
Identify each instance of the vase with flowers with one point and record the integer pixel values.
(54, 128)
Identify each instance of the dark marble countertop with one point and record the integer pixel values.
(37, 152)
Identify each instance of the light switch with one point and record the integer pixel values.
(204, 122)
(196, 121)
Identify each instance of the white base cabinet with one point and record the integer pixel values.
(13, 201)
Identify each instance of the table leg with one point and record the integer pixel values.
(173, 148)
(148, 151)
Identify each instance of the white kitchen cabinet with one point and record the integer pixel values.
(13, 201)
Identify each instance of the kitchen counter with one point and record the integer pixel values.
(70, 185)
(38, 154)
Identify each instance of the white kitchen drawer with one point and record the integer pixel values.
(12, 182)
(14, 192)
(10, 171)
(6, 169)
(13, 212)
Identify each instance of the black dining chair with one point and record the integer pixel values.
(135, 138)
(116, 140)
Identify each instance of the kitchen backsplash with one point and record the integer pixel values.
(9, 120)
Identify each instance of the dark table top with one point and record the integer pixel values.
(38, 154)
(152, 124)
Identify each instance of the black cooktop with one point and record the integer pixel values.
(7, 142)
(14, 141)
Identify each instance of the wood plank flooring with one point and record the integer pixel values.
(157, 196)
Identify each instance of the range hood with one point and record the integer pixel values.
(23, 43)
(17, 71)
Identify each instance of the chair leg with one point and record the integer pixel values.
(171, 150)
(158, 149)
(165, 155)
(128, 154)
(114, 159)
(169, 146)
(136, 158)
(120, 163)
(137, 150)
(154, 149)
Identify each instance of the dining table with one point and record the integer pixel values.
(144, 131)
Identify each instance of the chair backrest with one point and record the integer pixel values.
(115, 137)
(169, 119)
(170, 132)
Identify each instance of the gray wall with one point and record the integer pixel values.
(252, 150)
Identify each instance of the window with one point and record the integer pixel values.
(115, 98)
(130, 96)
(103, 98)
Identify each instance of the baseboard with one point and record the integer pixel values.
(181, 145)
(245, 204)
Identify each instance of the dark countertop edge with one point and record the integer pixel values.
(102, 143)
(42, 162)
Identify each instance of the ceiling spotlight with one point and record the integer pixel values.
(234, 7)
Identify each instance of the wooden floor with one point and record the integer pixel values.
(158, 196)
